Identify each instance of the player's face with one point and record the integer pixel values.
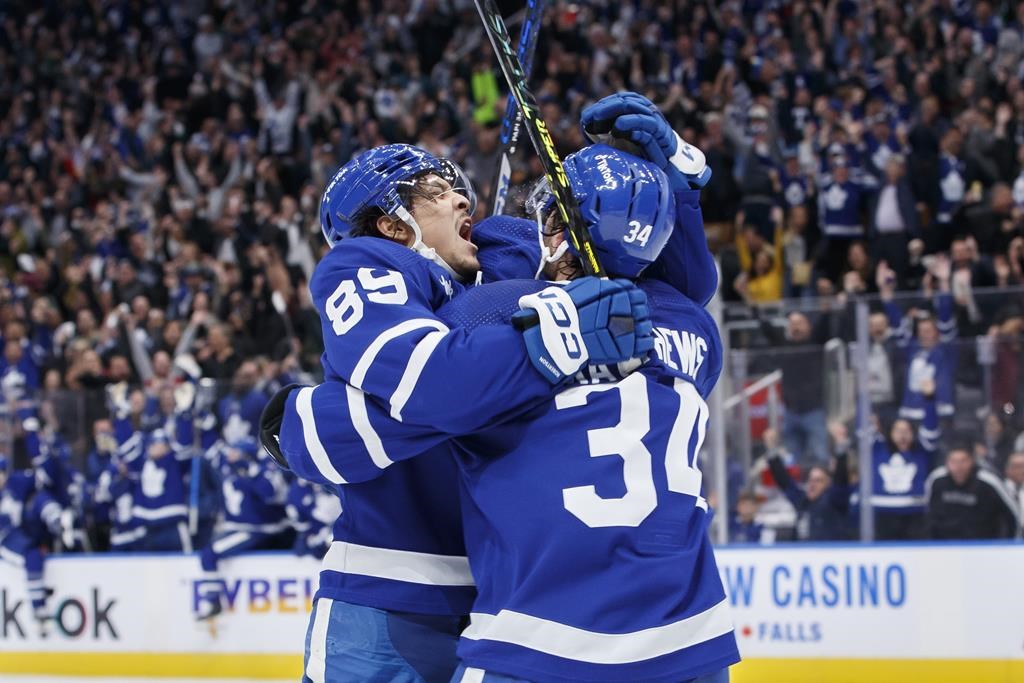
(444, 220)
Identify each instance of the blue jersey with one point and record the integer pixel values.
(900, 476)
(254, 493)
(32, 510)
(312, 510)
(952, 186)
(532, 618)
(588, 535)
(20, 380)
(840, 210)
(240, 415)
(937, 363)
(161, 493)
(399, 546)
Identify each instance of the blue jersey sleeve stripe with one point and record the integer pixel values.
(398, 565)
(370, 355)
(417, 360)
(569, 642)
(361, 422)
(304, 407)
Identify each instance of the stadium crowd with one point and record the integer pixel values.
(162, 164)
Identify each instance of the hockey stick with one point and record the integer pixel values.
(569, 211)
(511, 124)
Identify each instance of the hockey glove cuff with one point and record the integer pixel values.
(270, 424)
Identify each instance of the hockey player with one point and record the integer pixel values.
(160, 498)
(399, 220)
(313, 510)
(29, 520)
(527, 526)
(254, 517)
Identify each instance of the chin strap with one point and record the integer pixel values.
(402, 214)
(546, 256)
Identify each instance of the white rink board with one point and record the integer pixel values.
(125, 603)
(902, 601)
(818, 608)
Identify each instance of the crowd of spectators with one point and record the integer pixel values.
(161, 167)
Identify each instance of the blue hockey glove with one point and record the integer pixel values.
(588, 322)
(631, 116)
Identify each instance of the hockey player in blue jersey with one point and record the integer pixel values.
(312, 510)
(676, 416)
(399, 220)
(161, 494)
(29, 519)
(254, 493)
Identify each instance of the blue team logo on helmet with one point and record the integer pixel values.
(373, 179)
(625, 201)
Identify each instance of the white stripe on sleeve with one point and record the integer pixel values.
(417, 360)
(304, 407)
(361, 421)
(370, 355)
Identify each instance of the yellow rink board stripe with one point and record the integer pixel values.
(276, 666)
(154, 664)
(878, 671)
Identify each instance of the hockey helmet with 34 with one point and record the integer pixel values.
(626, 203)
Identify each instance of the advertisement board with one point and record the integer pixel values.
(802, 613)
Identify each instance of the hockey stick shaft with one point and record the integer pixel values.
(511, 123)
(568, 210)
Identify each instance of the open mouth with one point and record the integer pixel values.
(466, 229)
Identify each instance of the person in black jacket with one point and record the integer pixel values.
(800, 357)
(822, 505)
(968, 502)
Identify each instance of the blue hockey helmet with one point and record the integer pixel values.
(626, 203)
(374, 179)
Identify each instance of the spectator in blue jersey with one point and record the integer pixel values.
(953, 181)
(901, 466)
(929, 350)
(823, 502)
(967, 502)
(254, 493)
(743, 527)
(19, 375)
(841, 204)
